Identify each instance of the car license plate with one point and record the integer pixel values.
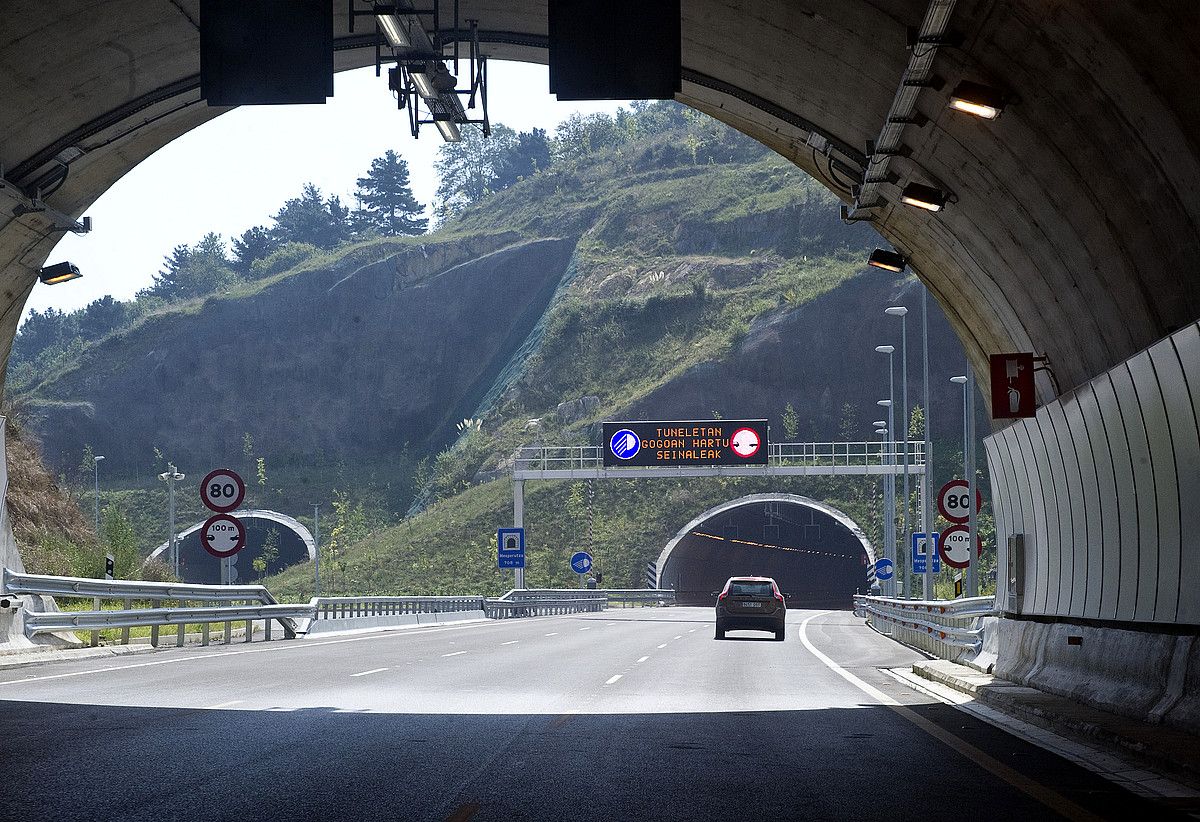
(752, 604)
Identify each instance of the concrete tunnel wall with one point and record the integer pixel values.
(1074, 229)
(817, 554)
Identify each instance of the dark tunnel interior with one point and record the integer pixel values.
(197, 565)
(817, 560)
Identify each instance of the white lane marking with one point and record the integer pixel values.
(663, 645)
(614, 679)
(224, 704)
(552, 633)
(870, 690)
(692, 631)
(610, 623)
(679, 637)
(643, 659)
(279, 647)
(368, 673)
(456, 653)
(511, 642)
(588, 628)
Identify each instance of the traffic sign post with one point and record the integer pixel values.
(223, 535)
(921, 549)
(510, 548)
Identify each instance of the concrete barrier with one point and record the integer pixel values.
(323, 627)
(1154, 677)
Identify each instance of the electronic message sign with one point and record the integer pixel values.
(690, 442)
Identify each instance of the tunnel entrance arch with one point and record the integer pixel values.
(818, 554)
(295, 544)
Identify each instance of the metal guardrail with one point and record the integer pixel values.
(949, 629)
(643, 596)
(507, 609)
(350, 607)
(239, 603)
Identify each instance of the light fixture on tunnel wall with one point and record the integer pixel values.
(923, 196)
(887, 260)
(59, 273)
(978, 99)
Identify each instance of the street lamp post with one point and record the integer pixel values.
(317, 543)
(888, 586)
(968, 386)
(170, 477)
(893, 552)
(927, 485)
(890, 350)
(96, 478)
(902, 312)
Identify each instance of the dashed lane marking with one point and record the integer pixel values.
(643, 659)
(368, 673)
(613, 679)
(511, 642)
(662, 646)
(456, 653)
(552, 633)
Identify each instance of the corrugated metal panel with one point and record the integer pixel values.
(1187, 456)
(1085, 511)
(1146, 569)
(1104, 523)
(1033, 452)
(1061, 451)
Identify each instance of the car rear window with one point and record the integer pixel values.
(751, 589)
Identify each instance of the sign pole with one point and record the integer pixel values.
(927, 590)
(317, 544)
(972, 490)
(927, 474)
(519, 522)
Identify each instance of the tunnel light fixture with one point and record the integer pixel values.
(923, 196)
(59, 273)
(885, 349)
(887, 260)
(449, 131)
(978, 99)
(394, 31)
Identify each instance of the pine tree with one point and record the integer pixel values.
(254, 244)
(311, 219)
(387, 197)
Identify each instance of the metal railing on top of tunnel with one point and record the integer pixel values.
(874, 454)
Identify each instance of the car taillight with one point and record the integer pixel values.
(721, 597)
(779, 596)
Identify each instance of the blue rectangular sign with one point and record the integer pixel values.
(510, 548)
(918, 558)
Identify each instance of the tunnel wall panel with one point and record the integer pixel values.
(1105, 485)
(1002, 507)
(1187, 347)
(1084, 509)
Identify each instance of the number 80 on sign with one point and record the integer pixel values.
(952, 501)
(222, 490)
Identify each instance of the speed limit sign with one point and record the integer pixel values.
(222, 490)
(222, 535)
(952, 501)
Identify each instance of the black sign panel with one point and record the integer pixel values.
(690, 442)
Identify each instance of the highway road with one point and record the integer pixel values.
(627, 714)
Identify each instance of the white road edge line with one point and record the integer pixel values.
(456, 653)
(868, 689)
(228, 704)
(643, 659)
(367, 673)
(614, 679)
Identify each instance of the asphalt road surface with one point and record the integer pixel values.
(628, 714)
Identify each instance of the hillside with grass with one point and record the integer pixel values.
(652, 265)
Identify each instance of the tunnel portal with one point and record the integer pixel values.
(295, 544)
(817, 554)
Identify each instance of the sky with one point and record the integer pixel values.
(235, 172)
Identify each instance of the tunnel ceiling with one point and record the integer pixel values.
(1075, 231)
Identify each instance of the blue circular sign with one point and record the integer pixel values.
(885, 569)
(625, 445)
(581, 562)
